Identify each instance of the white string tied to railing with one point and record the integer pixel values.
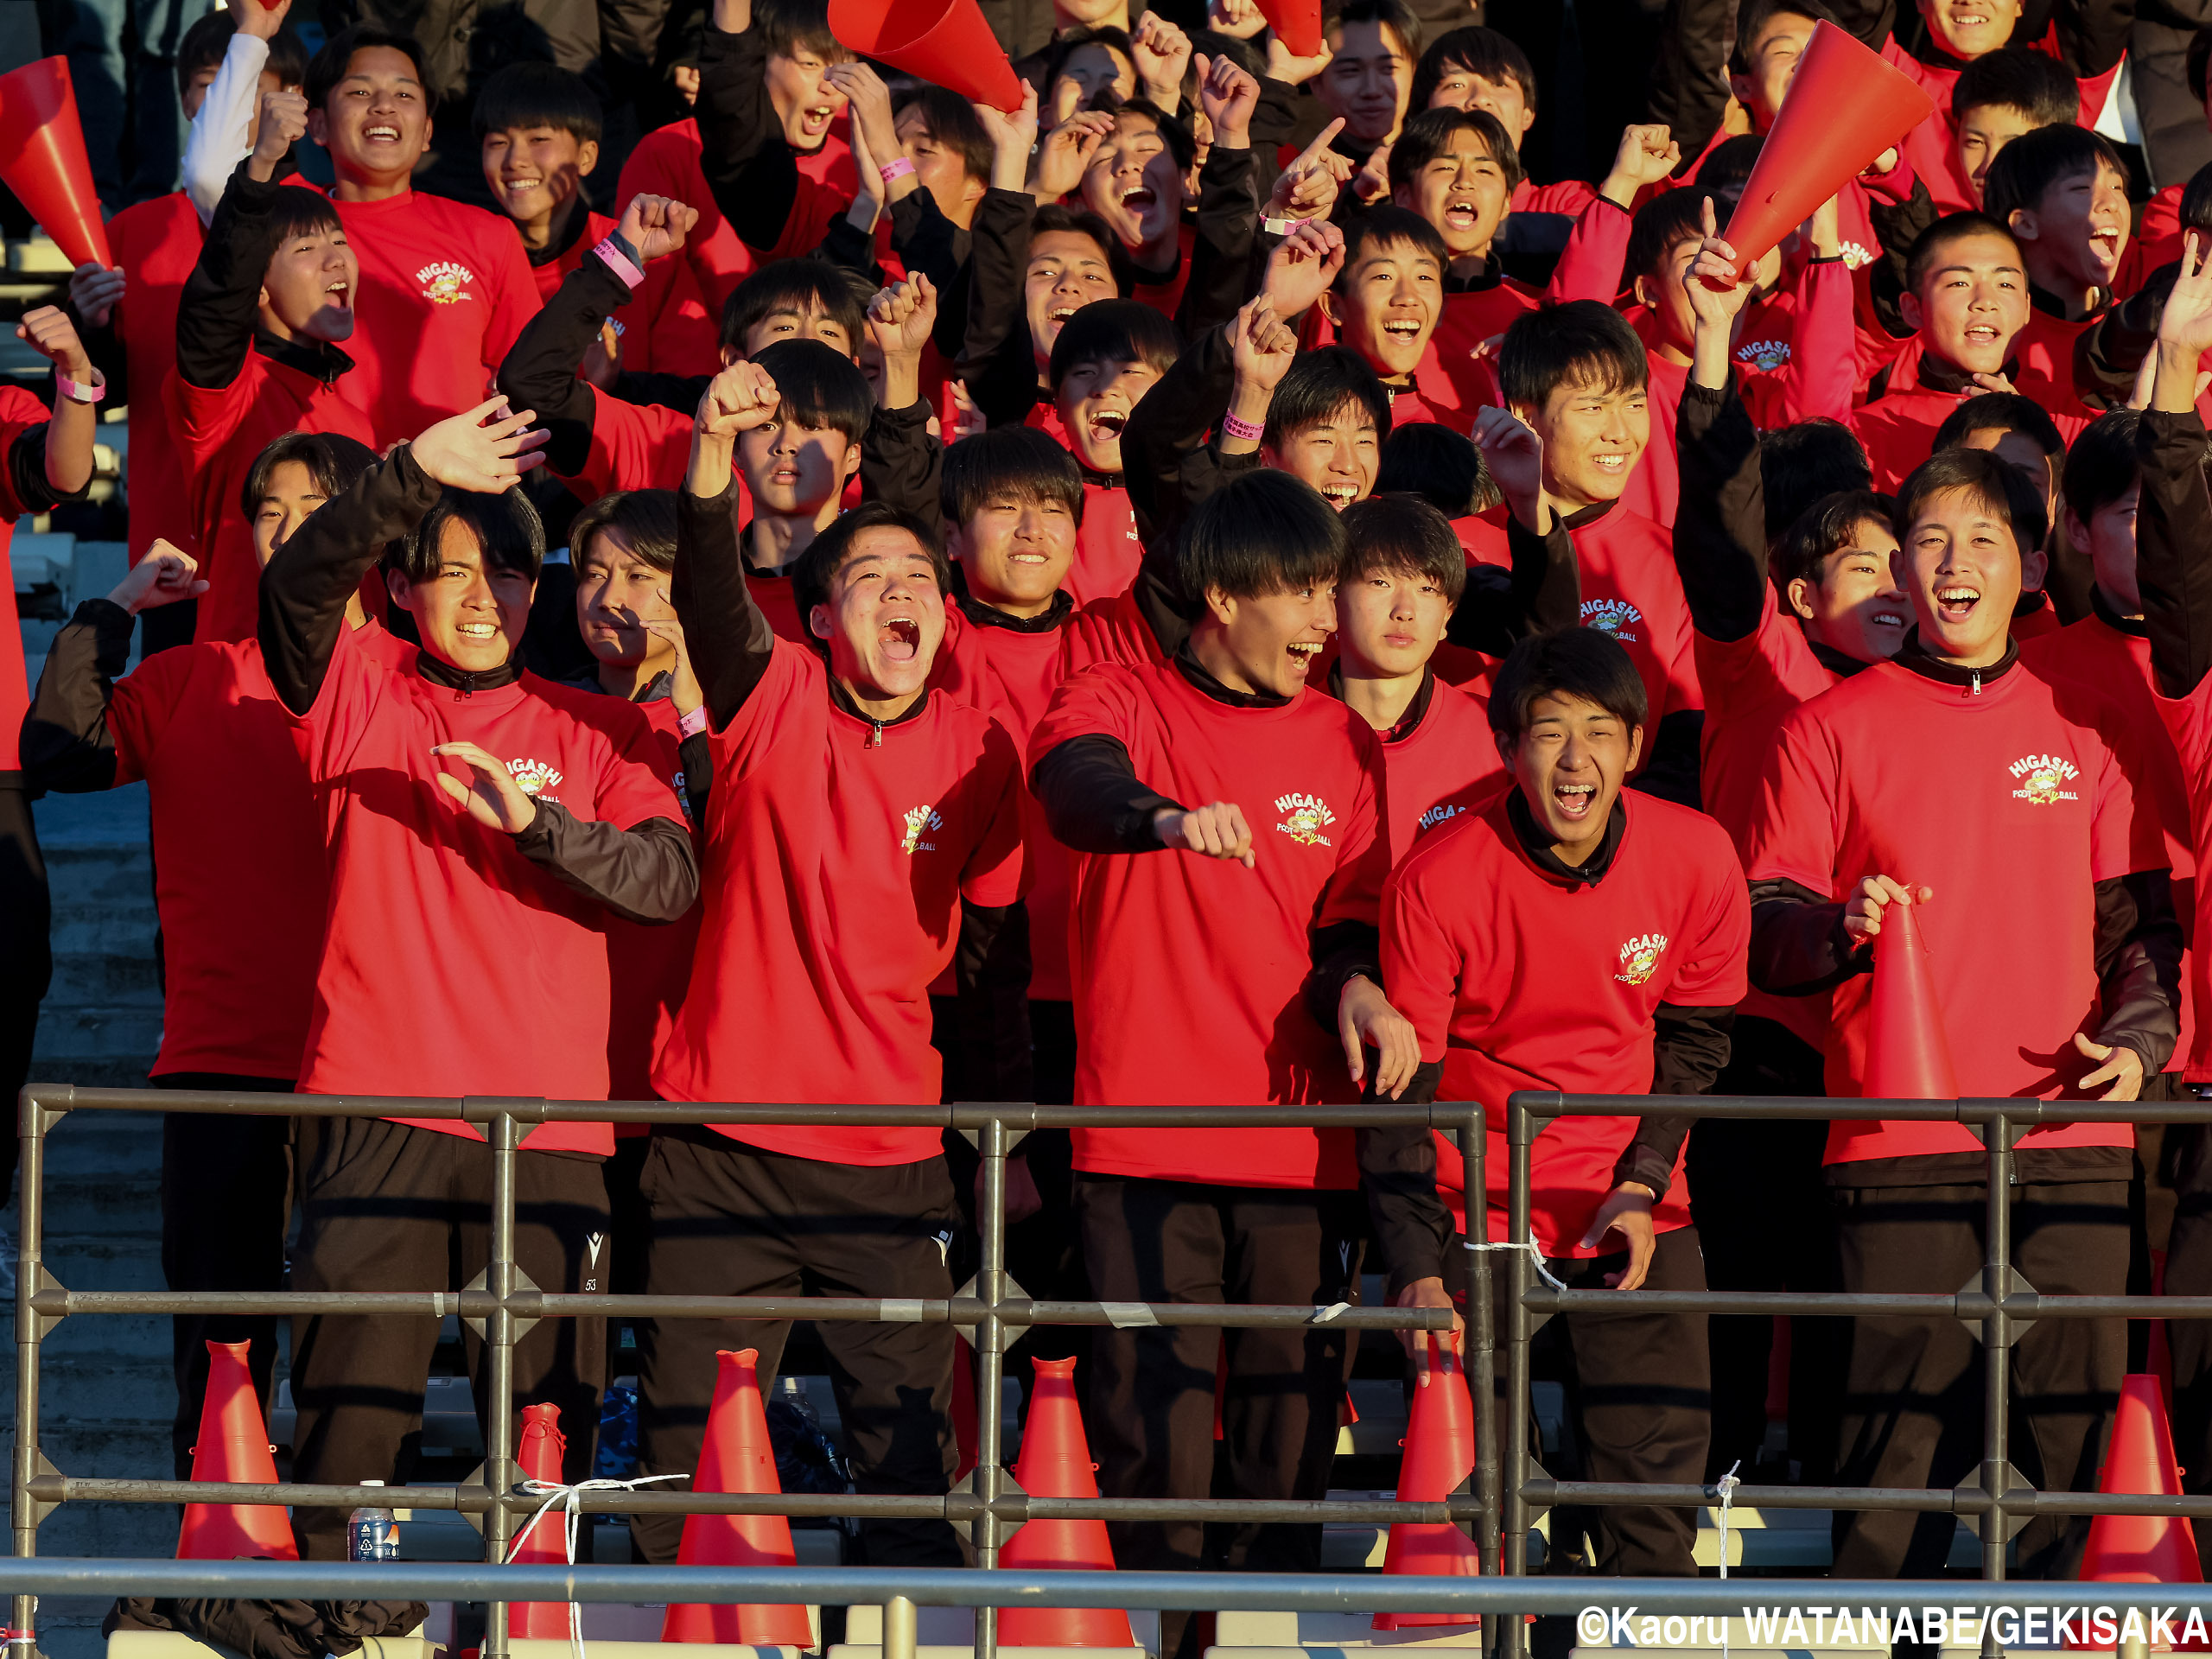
(570, 1500)
(1535, 1254)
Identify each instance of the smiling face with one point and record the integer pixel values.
(1463, 193)
(1368, 81)
(803, 103)
(1338, 455)
(1392, 297)
(375, 122)
(794, 471)
(1269, 643)
(1460, 88)
(1983, 132)
(616, 594)
(1771, 58)
(940, 167)
(534, 171)
(1389, 622)
(1593, 434)
(1971, 302)
(1569, 763)
(307, 292)
(1964, 573)
(1067, 270)
(2108, 537)
(2073, 238)
(1133, 183)
(467, 614)
(286, 498)
(1970, 29)
(885, 618)
(1094, 399)
(1016, 550)
(1856, 606)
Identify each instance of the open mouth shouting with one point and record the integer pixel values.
(1303, 653)
(341, 292)
(814, 120)
(1983, 336)
(1955, 601)
(900, 640)
(2104, 245)
(1139, 199)
(1107, 425)
(1574, 800)
(1340, 493)
(1461, 214)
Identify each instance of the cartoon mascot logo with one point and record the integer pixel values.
(1304, 819)
(920, 819)
(445, 282)
(535, 778)
(2043, 779)
(1640, 958)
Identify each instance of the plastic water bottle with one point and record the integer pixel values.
(371, 1534)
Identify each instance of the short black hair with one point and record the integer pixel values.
(1825, 528)
(1016, 461)
(1756, 15)
(1402, 533)
(1316, 385)
(1584, 663)
(1727, 168)
(789, 285)
(1114, 331)
(2034, 162)
(2101, 463)
(1662, 224)
(1395, 14)
(505, 526)
(2017, 78)
(1174, 132)
(1442, 467)
(332, 460)
(1953, 227)
(1999, 411)
(206, 42)
(312, 215)
(1057, 217)
(538, 95)
(818, 567)
(788, 27)
(1064, 47)
(1480, 52)
(952, 120)
(1428, 135)
(1580, 342)
(645, 519)
(2196, 201)
(818, 387)
(331, 65)
(1805, 461)
(1262, 532)
(1997, 484)
(1388, 225)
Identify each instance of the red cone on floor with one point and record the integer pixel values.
(1439, 1455)
(233, 1446)
(539, 1454)
(2141, 1548)
(943, 41)
(42, 158)
(737, 1457)
(1908, 1056)
(1297, 24)
(1055, 1462)
(1845, 106)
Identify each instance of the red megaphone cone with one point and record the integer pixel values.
(1055, 1462)
(1297, 24)
(943, 41)
(1439, 1455)
(1845, 107)
(737, 1457)
(1908, 1056)
(42, 158)
(539, 1454)
(233, 1446)
(2139, 1548)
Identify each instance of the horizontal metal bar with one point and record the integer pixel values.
(1962, 1500)
(1971, 1304)
(2024, 1115)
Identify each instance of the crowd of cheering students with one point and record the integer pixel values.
(1210, 588)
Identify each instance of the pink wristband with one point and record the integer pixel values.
(692, 724)
(895, 171)
(76, 391)
(619, 262)
(1233, 428)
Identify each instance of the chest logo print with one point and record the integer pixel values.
(920, 820)
(1304, 817)
(1640, 958)
(1856, 254)
(1763, 353)
(2043, 779)
(1614, 616)
(1437, 815)
(534, 777)
(445, 282)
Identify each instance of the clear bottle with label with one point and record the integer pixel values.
(371, 1534)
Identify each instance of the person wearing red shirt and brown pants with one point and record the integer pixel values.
(2010, 814)
(481, 824)
(1635, 908)
(868, 832)
(1287, 857)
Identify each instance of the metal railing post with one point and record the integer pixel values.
(990, 1364)
(1520, 1129)
(900, 1625)
(1996, 1357)
(1482, 1333)
(30, 1225)
(499, 1361)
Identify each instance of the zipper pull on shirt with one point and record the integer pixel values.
(1975, 690)
(875, 736)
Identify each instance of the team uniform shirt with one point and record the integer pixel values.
(451, 964)
(1630, 590)
(1431, 395)
(1445, 764)
(1899, 428)
(1472, 314)
(19, 413)
(1107, 550)
(157, 243)
(648, 965)
(445, 289)
(1112, 631)
(203, 728)
(1932, 147)
(1165, 296)
(1516, 979)
(2011, 803)
(1153, 1026)
(859, 842)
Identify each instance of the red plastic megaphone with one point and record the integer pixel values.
(233, 1449)
(2141, 1548)
(1845, 106)
(1908, 1056)
(1297, 24)
(943, 41)
(42, 158)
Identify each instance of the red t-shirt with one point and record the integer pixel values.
(1515, 979)
(1111, 631)
(1899, 428)
(1189, 971)
(2012, 804)
(1469, 317)
(1107, 550)
(857, 844)
(445, 289)
(157, 243)
(19, 413)
(648, 966)
(1932, 147)
(1631, 590)
(451, 964)
(1447, 764)
(233, 814)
